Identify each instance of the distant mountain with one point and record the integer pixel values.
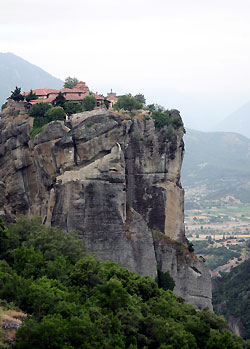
(238, 121)
(216, 165)
(15, 71)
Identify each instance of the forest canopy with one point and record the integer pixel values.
(76, 301)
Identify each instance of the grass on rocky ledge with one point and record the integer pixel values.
(182, 250)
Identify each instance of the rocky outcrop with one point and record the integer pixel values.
(192, 281)
(10, 321)
(115, 179)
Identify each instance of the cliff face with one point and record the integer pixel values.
(112, 178)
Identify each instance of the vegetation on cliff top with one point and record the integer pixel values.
(76, 301)
(70, 82)
(16, 95)
(128, 102)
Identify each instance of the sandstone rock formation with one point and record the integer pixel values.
(116, 180)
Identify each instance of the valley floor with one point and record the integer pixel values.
(220, 234)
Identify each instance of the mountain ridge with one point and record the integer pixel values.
(218, 162)
(238, 121)
(15, 71)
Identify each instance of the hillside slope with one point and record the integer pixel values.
(216, 165)
(238, 121)
(231, 298)
(15, 71)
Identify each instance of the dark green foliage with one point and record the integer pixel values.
(146, 117)
(31, 96)
(164, 280)
(72, 107)
(190, 247)
(89, 103)
(16, 95)
(140, 98)
(40, 122)
(151, 107)
(161, 118)
(70, 82)
(43, 114)
(5, 105)
(55, 113)
(59, 101)
(38, 110)
(177, 123)
(4, 237)
(106, 103)
(127, 102)
(76, 301)
(16, 113)
(231, 295)
(215, 256)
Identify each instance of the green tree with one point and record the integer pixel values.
(4, 237)
(161, 118)
(52, 242)
(39, 110)
(31, 96)
(222, 341)
(16, 95)
(53, 328)
(75, 301)
(190, 247)
(59, 101)
(151, 107)
(70, 82)
(27, 262)
(164, 280)
(140, 98)
(72, 107)
(5, 105)
(55, 113)
(106, 103)
(127, 102)
(43, 295)
(89, 103)
(112, 295)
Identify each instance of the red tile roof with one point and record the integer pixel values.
(51, 99)
(41, 91)
(70, 94)
(97, 96)
(74, 97)
(72, 90)
(42, 100)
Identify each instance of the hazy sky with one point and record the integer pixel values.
(190, 54)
